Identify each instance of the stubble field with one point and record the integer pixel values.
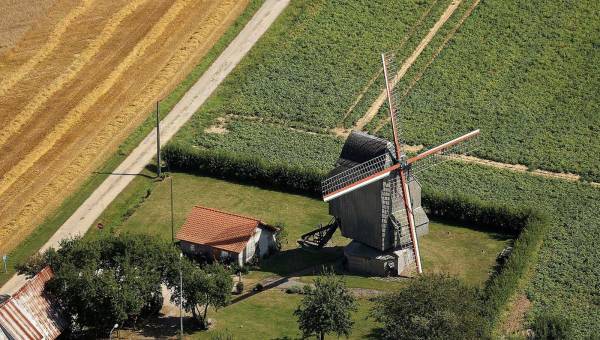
(78, 81)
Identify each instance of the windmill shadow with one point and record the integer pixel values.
(298, 261)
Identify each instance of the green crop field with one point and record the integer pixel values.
(525, 73)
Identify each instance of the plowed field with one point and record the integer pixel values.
(78, 81)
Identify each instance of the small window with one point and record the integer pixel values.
(192, 247)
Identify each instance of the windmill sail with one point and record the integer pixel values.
(464, 145)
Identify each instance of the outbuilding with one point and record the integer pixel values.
(225, 236)
(30, 313)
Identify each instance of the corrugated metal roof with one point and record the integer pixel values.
(28, 314)
(218, 229)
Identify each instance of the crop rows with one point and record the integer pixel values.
(528, 75)
(317, 58)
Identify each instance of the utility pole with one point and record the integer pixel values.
(157, 141)
(172, 221)
(180, 297)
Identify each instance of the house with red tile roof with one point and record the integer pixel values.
(225, 236)
(29, 314)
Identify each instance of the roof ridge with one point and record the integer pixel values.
(229, 213)
(30, 281)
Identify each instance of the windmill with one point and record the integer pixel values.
(375, 197)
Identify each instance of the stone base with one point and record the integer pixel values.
(362, 259)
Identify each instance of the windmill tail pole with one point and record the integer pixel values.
(411, 220)
(388, 89)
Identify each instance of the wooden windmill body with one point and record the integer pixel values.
(375, 197)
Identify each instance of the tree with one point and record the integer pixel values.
(281, 236)
(202, 288)
(431, 307)
(106, 280)
(326, 308)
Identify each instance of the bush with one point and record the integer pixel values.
(327, 308)
(239, 287)
(259, 287)
(550, 327)
(430, 307)
(281, 236)
(235, 268)
(294, 290)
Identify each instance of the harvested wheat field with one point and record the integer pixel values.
(77, 80)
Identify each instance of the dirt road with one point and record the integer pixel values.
(374, 108)
(87, 213)
(76, 84)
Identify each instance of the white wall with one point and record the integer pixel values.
(265, 239)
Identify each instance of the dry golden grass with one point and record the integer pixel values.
(80, 99)
(17, 17)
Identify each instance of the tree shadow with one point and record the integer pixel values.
(492, 232)
(162, 326)
(376, 333)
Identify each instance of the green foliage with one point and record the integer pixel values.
(528, 225)
(317, 57)
(294, 290)
(202, 287)
(430, 307)
(236, 166)
(550, 327)
(239, 287)
(489, 215)
(326, 308)
(107, 280)
(281, 238)
(527, 74)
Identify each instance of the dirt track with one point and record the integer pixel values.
(74, 86)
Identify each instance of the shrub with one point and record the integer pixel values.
(259, 287)
(281, 236)
(239, 287)
(294, 290)
(550, 327)
(430, 307)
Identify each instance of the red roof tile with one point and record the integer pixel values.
(28, 314)
(218, 229)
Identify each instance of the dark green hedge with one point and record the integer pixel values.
(526, 224)
(227, 165)
(486, 215)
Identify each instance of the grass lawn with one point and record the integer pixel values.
(144, 208)
(269, 315)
